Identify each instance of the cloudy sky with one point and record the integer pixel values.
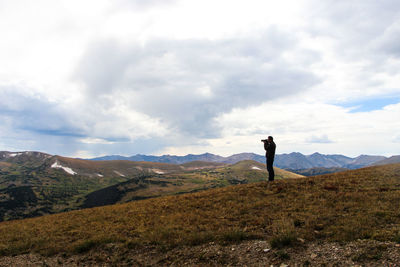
(100, 77)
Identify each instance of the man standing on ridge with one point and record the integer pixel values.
(270, 148)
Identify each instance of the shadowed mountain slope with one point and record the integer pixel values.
(391, 160)
(318, 171)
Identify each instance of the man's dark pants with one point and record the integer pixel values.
(270, 169)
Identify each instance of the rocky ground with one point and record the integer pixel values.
(248, 253)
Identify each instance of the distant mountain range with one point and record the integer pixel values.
(292, 161)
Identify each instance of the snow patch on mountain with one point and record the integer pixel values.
(56, 165)
(100, 175)
(255, 168)
(120, 174)
(11, 155)
(157, 171)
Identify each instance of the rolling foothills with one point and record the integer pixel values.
(34, 184)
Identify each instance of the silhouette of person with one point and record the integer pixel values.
(270, 148)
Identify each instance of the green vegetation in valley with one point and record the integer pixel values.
(30, 186)
(156, 185)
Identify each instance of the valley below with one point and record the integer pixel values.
(35, 184)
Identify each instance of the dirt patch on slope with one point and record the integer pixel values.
(248, 253)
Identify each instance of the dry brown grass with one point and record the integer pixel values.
(194, 165)
(342, 207)
(5, 164)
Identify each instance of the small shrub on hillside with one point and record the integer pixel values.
(223, 259)
(396, 238)
(366, 235)
(319, 227)
(234, 236)
(283, 240)
(298, 223)
(368, 255)
(89, 244)
(161, 237)
(282, 255)
(50, 251)
(199, 238)
(14, 250)
(330, 187)
(133, 244)
(85, 246)
(202, 257)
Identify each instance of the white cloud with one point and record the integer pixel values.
(168, 80)
(90, 140)
(295, 125)
(396, 139)
(319, 139)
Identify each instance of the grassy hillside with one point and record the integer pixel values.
(359, 204)
(34, 184)
(197, 179)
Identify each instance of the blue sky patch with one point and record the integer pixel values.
(59, 132)
(370, 104)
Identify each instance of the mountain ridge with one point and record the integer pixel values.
(292, 161)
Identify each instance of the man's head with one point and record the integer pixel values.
(270, 139)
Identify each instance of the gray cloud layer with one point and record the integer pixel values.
(33, 113)
(187, 83)
(360, 28)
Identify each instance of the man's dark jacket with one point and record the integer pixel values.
(270, 150)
